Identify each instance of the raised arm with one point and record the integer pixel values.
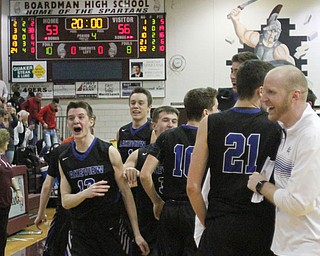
(248, 37)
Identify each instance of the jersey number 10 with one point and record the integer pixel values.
(180, 155)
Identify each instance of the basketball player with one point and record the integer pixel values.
(235, 143)
(173, 149)
(137, 133)
(57, 239)
(91, 183)
(163, 118)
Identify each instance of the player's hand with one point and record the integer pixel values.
(253, 180)
(41, 218)
(99, 188)
(131, 174)
(143, 245)
(157, 209)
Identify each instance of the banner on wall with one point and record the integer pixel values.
(83, 7)
(45, 88)
(108, 90)
(64, 90)
(127, 87)
(87, 89)
(29, 71)
(156, 88)
(147, 69)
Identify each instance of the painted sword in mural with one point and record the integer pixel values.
(242, 6)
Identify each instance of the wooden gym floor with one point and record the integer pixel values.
(29, 245)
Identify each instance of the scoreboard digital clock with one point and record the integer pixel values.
(87, 23)
(87, 37)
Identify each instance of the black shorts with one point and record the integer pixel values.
(98, 237)
(58, 235)
(176, 228)
(241, 235)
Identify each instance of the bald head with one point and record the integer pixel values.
(290, 78)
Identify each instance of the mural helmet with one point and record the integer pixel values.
(273, 24)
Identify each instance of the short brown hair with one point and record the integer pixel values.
(4, 137)
(244, 56)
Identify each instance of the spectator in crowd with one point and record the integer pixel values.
(47, 118)
(22, 133)
(30, 95)
(6, 182)
(33, 106)
(3, 91)
(9, 121)
(16, 100)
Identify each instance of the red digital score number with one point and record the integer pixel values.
(73, 50)
(124, 29)
(31, 32)
(51, 30)
(161, 35)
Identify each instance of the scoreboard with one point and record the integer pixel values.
(90, 37)
(97, 39)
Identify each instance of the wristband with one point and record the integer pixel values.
(260, 185)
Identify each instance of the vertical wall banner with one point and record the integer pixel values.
(108, 90)
(29, 71)
(127, 87)
(147, 69)
(87, 89)
(64, 90)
